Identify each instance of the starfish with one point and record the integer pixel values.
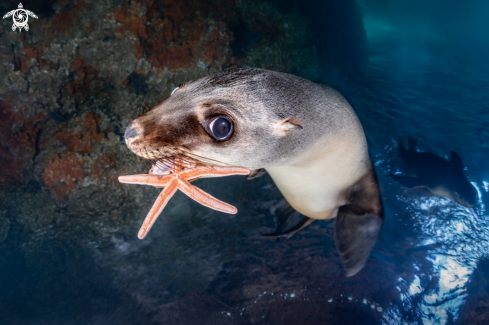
(178, 178)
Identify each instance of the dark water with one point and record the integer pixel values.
(425, 78)
(427, 81)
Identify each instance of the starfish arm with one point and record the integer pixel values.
(145, 179)
(204, 198)
(158, 206)
(215, 171)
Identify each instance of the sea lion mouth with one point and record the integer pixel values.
(174, 164)
(167, 158)
(150, 152)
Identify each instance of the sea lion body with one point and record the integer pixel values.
(306, 136)
(333, 161)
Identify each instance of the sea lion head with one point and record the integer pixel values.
(252, 118)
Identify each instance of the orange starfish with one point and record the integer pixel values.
(178, 178)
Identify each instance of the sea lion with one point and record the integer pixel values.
(306, 136)
(438, 176)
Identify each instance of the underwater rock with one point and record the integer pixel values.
(339, 23)
(4, 228)
(70, 85)
(18, 137)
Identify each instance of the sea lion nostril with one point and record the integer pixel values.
(130, 132)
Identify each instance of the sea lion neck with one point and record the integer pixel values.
(317, 182)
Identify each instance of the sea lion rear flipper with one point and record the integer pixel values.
(456, 161)
(408, 182)
(355, 237)
(289, 221)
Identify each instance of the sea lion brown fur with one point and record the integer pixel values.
(306, 136)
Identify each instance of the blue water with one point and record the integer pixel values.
(198, 266)
(436, 93)
(434, 89)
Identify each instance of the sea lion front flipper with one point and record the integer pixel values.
(291, 231)
(255, 173)
(355, 237)
(289, 221)
(408, 182)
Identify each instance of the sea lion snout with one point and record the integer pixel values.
(131, 132)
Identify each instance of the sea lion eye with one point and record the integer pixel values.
(221, 128)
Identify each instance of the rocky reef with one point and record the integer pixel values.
(70, 86)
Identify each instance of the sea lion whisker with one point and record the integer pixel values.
(151, 152)
(166, 152)
(197, 157)
(146, 152)
(163, 153)
(164, 164)
(139, 158)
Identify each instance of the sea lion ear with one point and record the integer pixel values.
(455, 160)
(289, 125)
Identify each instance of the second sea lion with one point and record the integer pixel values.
(306, 136)
(440, 177)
